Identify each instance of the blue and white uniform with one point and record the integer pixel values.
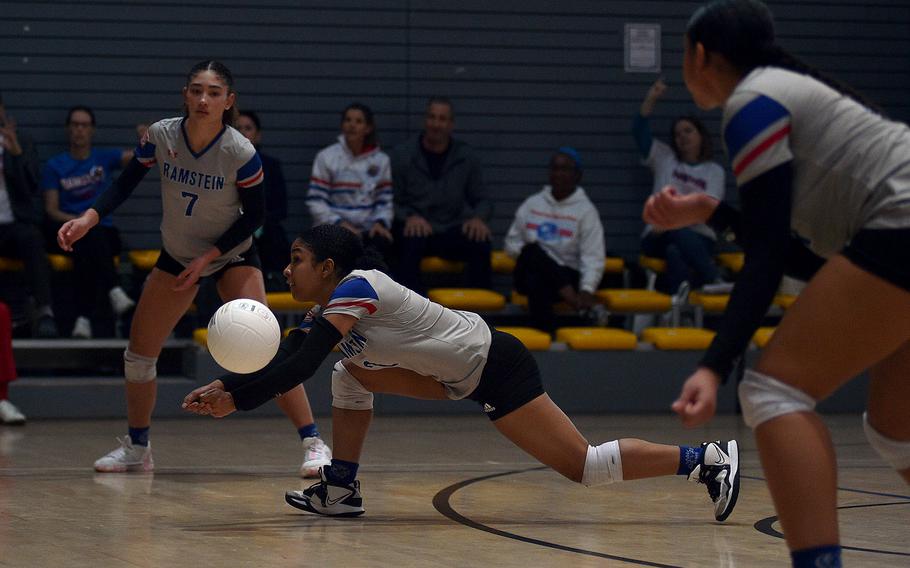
(851, 168)
(399, 328)
(199, 191)
(345, 187)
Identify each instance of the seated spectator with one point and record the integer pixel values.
(441, 206)
(71, 182)
(271, 240)
(9, 414)
(20, 219)
(558, 240)
(351, 182)
(685, 165)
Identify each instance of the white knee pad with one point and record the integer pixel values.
(763, 398)
(138, 368)
(347, 392)
(895, 452)
(603, 465)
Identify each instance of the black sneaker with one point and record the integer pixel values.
(324, 498)
(719, 471)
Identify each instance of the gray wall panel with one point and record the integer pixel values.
(526, 76)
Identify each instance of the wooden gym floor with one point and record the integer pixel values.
(437, 492)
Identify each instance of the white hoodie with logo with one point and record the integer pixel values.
(569, 231)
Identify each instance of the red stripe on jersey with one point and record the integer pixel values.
(365, 305)
(757, 151)
(252, 181)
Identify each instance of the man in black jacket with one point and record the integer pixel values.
(441, 205)
(20, 218)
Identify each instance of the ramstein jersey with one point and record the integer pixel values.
(399, 328)
(199, 191)
(851, 167)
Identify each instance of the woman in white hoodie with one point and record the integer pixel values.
(558, 240)
(351, 183)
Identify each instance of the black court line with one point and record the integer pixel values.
(765, 526)
(441, 503)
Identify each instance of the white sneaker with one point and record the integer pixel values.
(82, 329)
(126, 458)
(120, 301)
(315, 455)
(10, 415)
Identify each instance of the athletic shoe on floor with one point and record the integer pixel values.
(315, 455)
(719, 471)
(120, 300)
(10, 415)
(82, 329)
(326, 499)
(127, 458)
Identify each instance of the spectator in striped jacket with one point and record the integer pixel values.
(351, 183)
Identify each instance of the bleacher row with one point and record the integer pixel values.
(617, 301)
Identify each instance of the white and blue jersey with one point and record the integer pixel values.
(199, 191)
(345, 187)
(851, 167)
(399, 328)
(79, 182)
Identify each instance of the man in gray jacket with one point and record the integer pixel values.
(441, 206)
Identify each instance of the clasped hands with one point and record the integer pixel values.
(210, 400)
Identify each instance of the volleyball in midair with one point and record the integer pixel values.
(243, 336)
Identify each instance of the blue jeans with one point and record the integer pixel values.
(689, 256)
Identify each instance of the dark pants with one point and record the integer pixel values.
(540, 278)
(94, 272)
(274, 248)
(24, 241)
(689, 256)
(451, 245)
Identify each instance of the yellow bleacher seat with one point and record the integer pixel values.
(473, 299)
(439, 264)
(709, 302)
(10, 264)
(200, 336)
(521, 300)
(284, 302)
(678, 338)
(614, 265)
(144, 259)
(60, 262)
(762, 336)
(596, 338)
(731, 260)
(533, 339)
(784, 301)
(652, 263)
(634, 300)
(501, 262)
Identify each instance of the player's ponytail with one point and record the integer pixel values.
(223, 73)
(742, 31)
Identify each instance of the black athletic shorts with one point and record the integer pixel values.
(169, 264)
(883, 252)
(510, 378)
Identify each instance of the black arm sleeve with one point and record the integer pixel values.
(765, 238)
(289, 345)
(725, 217)
(279, 378)
(121, 189)
(252, 199)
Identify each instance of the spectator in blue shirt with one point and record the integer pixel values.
(71, 182)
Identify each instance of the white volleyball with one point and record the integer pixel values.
(243, 336)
